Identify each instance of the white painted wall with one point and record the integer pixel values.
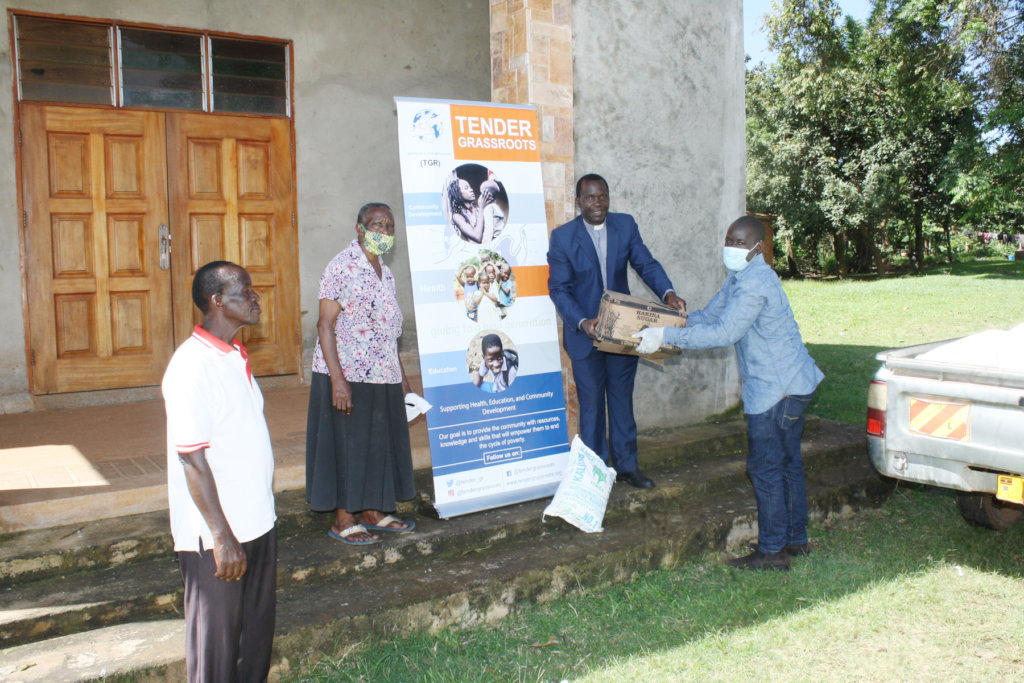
(659, 112)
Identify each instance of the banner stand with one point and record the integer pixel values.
(485, 327)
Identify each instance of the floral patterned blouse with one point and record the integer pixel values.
(370, 321)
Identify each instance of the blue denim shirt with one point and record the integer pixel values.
(751, 311)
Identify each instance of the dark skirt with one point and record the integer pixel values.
(361, 461)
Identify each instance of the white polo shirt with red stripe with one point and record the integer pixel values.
(213, 402)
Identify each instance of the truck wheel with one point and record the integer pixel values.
(984, 509)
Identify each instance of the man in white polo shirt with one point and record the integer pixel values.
(220, 471)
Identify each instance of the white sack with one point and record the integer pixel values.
(583, 493)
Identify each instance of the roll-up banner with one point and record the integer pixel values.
(485, 326)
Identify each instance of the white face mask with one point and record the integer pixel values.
(735, 258)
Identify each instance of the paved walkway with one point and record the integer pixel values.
(80, 464)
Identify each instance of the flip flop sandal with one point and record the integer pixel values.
(354, 529)
(382, 525)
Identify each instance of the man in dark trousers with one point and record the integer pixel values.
(220, 470)
(586, 256)
(751, 313)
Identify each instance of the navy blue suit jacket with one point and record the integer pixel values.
(574, 279)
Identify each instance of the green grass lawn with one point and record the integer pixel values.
(846, 322)
(907, 592)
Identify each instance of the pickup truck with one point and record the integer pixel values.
(951, 414)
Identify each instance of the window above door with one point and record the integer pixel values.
(132, 66)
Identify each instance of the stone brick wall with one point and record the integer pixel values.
(531, 63)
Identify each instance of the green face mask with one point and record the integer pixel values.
(377, 243)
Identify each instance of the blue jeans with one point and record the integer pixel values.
(777, 472)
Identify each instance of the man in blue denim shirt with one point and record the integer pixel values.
(779, 378)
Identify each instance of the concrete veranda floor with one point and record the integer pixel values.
(67, 465)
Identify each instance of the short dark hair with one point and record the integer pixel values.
(754, 225)
(590, 177)
(491, 341)
(209, 280)
(367, 208)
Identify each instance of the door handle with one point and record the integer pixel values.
(165, 247)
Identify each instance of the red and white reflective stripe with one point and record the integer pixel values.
(941, 420)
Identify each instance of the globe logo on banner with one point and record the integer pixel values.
(427, 125)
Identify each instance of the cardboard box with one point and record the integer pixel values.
(621, 316)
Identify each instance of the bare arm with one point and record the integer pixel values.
(475, 231)
(227, 551)
(341, 392)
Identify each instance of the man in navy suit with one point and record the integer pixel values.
(586, 256)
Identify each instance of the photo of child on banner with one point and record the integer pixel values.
(485, 285)
(475, 203)
(493, 361)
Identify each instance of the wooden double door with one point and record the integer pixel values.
(121, 209)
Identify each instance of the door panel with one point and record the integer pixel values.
(231, 194)
(95, 196)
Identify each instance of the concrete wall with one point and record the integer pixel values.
(351, 58)
(659, 112)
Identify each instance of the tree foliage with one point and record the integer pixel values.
(861, 134)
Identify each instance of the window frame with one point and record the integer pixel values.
(116, 66)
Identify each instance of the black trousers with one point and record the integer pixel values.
(229, 625)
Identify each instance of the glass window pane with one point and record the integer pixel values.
(163, 99)
(161, 69)
(63, 92)
(250, 105)
(63, 61)
(250, 86)
(249, 76)
(247, 67)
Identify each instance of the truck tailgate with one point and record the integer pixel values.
(979, 424)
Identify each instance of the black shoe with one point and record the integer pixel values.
(635, 478)
(791, 550)
(758, 560)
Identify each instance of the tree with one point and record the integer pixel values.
(853, 132)
(991, 174)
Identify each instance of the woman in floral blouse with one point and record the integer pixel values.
(358, 459)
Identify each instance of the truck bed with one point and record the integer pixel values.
(954, 411)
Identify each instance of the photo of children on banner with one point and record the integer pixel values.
(475, 203)
(493, 361)
(485, 285)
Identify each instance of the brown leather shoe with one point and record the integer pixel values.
(758, 560)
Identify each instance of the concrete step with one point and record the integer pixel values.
(115, 541)
(82, 463)
(456, 572)
(111, 543)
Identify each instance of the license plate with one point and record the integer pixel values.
(1010, 489)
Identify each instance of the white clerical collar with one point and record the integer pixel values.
(594, 227)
